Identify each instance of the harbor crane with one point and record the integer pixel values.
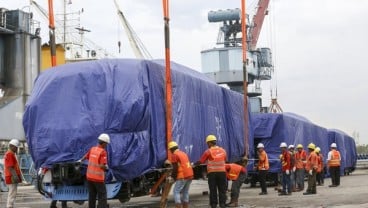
(136, 44)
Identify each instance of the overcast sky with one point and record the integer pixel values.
(320, 48)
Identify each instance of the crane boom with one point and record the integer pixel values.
(257, 22)
(138, 48)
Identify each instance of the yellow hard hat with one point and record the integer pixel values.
(317, 149)
(172, 144)
(299, 146)
(210, 138)
(311, 146)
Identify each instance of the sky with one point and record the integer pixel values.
(319, 48)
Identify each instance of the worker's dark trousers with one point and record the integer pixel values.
(312, 183)
(97, 189)
(235, 187)
(299, 180)
(262, 180)
(320, 178)
(286, 183)
(217, 183)
(335, 175)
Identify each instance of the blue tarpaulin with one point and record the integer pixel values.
(72, 104)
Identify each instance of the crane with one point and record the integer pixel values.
(60, 34)
(254, 31)
(137, 45)
(257, 22)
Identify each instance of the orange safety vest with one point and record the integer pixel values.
(94, 170)
(233, 171)
(312, 162)
(216, 161)
(185, 170)
(263, 161)
(335, 159)
(320, 163)
(10, 157)
(300, 158)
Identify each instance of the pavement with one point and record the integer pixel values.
(352, 193)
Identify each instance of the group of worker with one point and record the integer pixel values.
(218, 174)
(294, 165)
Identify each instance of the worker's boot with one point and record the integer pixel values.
(185, 205)
(178, 206)
(232, 204)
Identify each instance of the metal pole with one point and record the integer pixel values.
(52, 33)
(168, 85)
(245, 77)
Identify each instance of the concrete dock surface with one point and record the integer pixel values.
(352, 193)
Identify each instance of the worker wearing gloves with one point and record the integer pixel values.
(320, 173)
(285, 167)
(182, 173)
(215, 157)
(262, 167)
(97, 165)
(12, 172)
(333, 162)
(292, 167)
(300, 161)
(237, 173)
(311, 167)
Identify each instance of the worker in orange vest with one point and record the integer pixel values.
(299, 169)
(333, 162)
(292, 166)
(12, 172)
(97, 165)
(217, 183)
(320, 172)
(236, 172)
(311, 167)
(285, 168)
(182, 173)
(262, 167)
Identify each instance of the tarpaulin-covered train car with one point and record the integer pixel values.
(72, 104)
(347, 148)
(272, 129)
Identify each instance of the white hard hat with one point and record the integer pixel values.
(283, 144)
(14, 142)
(291, 146)
(105, 138)
(333, 145)
(260, 145)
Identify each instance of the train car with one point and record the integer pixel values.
(72, 104)
(272, 129)
(347, 148)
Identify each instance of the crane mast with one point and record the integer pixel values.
(136, 44)
(257, 22)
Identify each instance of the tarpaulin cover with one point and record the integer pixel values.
(271, 129)
(72, 104)
(347, 148)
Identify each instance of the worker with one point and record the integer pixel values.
(97, 165)
(215, 157)
(237, 173)
(300, 161)
(333, 162)
(320, 172)
(12, 172)
(285, 168)
(311, 167)
(292, 167)
(262, 167)
(182, 173)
